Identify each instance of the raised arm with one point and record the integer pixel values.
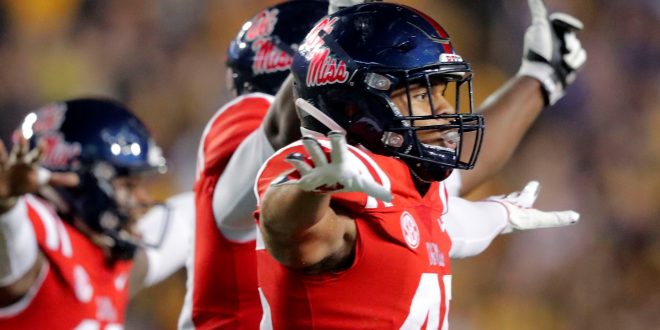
(20, 259)
(509, 112)
(551, 57)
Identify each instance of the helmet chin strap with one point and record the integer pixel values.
(313, 111)
(417, 177)
(421, 184)
(309, 132)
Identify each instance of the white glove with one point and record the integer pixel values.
(336, 5)
(552, 53)
(335, 176)
(523, 217)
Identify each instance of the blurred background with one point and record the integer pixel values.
(597, 151)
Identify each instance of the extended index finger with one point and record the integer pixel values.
(338, 142)
(315, 151)
(537, 8)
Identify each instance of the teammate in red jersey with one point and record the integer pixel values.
(222, 278)
(332, 255)
(68, 247)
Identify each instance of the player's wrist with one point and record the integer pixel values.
(551, 86)
(507, 211)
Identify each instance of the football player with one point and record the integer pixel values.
(224, 219)
(68, 211)
(221, 285)
(346, 226)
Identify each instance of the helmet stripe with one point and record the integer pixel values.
(438, 29)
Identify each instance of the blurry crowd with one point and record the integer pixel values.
(597, 151)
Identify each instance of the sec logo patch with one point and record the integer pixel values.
(410, 230)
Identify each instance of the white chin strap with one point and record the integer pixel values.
(309, 132)
(318, 115)
(322, 118)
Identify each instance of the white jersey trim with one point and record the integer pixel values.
(266, 319)
(66, 249)
(443, 197)
(260, 244)
(49, 222)
(56, 236)
(209, 125)
(371, 201)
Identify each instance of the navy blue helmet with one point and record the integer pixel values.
(261, 54)
(99, 140)
(351, 62)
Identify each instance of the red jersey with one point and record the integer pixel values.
(224, 278)
(400, 277)
(77, 288)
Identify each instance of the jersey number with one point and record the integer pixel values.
(425, 306)
(96, 325)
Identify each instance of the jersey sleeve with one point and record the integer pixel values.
(472, 226)
(276, 169)
(227, 129)
(453, 183)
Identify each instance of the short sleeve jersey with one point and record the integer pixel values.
(77, 288)
(400, 275)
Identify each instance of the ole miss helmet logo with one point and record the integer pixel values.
(262, 25)
(267, 57)
(50, 118)
(324, 67)
(57, 153)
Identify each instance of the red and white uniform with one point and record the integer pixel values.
(222, 284)
(77, 288)
(400, 277)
